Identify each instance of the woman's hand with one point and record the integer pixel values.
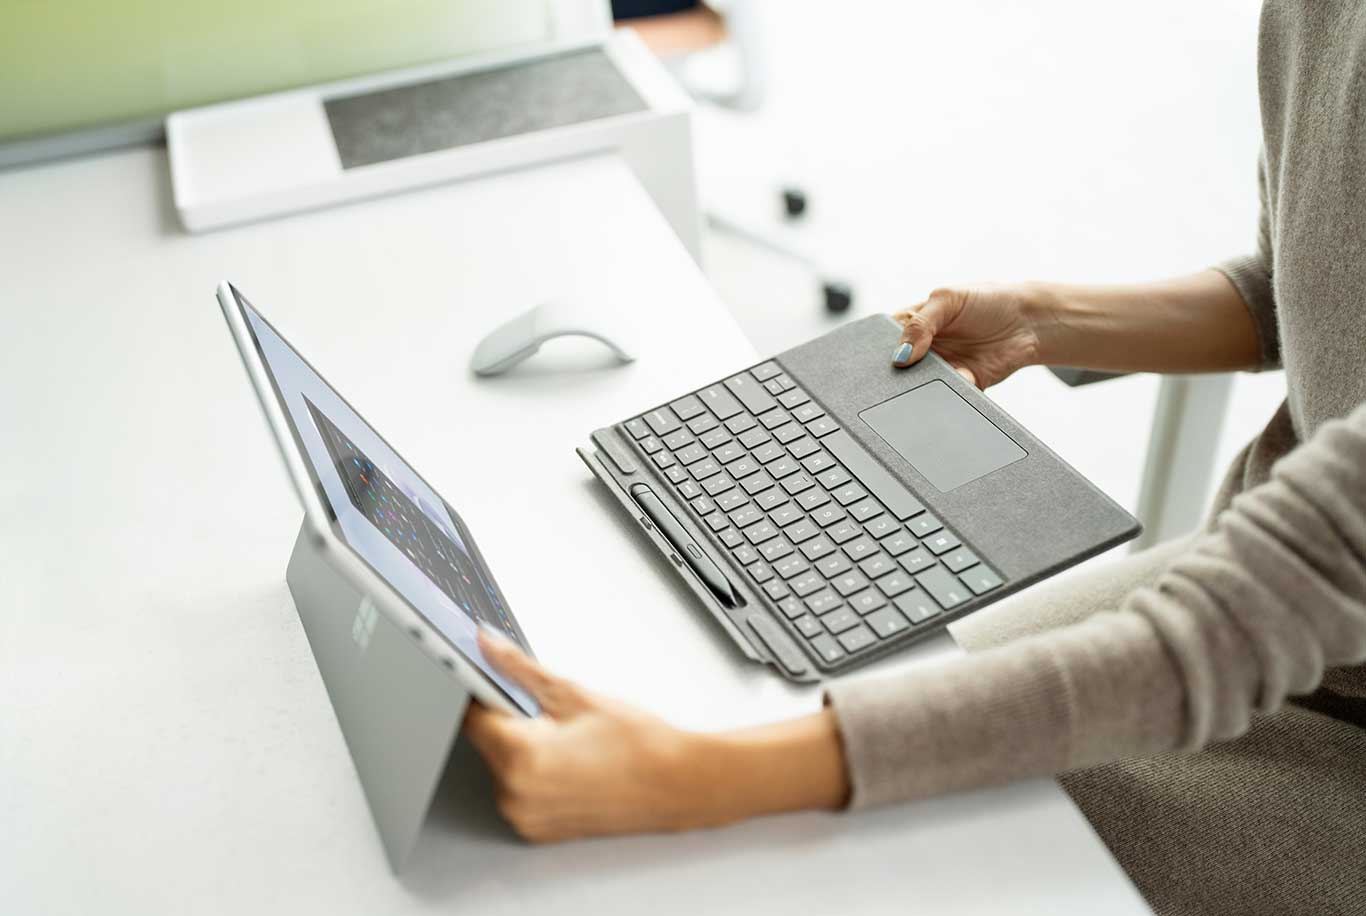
(590, 766)
(986, 333)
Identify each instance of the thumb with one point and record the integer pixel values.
(556, 695)
(921, 323)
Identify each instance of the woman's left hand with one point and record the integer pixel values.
(589, 765)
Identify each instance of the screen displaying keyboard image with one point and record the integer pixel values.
(430, 545)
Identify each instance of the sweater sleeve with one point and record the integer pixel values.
(1253, 612)
(1251, 275)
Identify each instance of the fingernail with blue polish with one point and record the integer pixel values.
(902, 356)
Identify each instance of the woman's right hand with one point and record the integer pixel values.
(985, 332)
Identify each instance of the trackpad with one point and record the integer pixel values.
(941, 435)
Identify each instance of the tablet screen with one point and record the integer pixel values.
(385, 512)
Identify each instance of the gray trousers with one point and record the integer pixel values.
(1273, 822)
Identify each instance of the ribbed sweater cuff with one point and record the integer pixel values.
(1252, 280)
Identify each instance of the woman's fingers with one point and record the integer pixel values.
(921, 323)
(555, 695)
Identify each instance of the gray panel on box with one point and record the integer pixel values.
(941, 435)
(475, 107)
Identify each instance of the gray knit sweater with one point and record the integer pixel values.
(1274, 593)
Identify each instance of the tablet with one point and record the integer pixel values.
(381, 526)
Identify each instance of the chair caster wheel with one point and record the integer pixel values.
(794, 202)
(838, 296)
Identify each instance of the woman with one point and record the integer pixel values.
(1161, 686)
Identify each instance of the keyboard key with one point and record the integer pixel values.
(750, 393)
(802, 531)
(882, 526)
(886, 622)
(716, 438)
(807, 412)
(786, 515)
(865, 509)
(791, 607)
(774, 386)
(691, 454)
(798, 483)
(895, 584)
(916, 605)
(891, 492)
(836, 619)
(687, 407)
(677, 439)
(899, 543)
(834, 565)
(728, 452)
(828, 515)
(745, 554)
(789, 433)
(790, 566)
(793, 398)
(827, 648)
(730, 537)
(703, 506)
(765, 371)
(785, 383)
(689, 489)
(849, 493)
(943, 587)
(860, 637)
(849, 583)
(740, 423)
(746, 516)
(770, 499)
(637, 428)
(832, 478)
(808, 626)
(805, 585)
(980, 580)
(775, 589)
(877, 565)
(784, 466)
(676, 474)
(663, 460)
(705, 423)
(731, 500)
(721, 401)
(754, 437)
(867, 601)
(662, 421)
(760, 572)
(817, 547)
(703, 469)
(942, 543)
(818, 462)
(776, 549)
(756, 483)
(925, 525)
(775, 418)
(651, 444)
(743, 468)
(758, 533)
(716, 521)
(860, 547)
(813, 499)
(844, 531)
(770, 452)
(960, 559)
(718, 485)
(803, 447)
(822, 426)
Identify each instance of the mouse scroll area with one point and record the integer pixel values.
(583, 347)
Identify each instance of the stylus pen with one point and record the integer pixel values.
(684, 546)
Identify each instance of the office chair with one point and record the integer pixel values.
(676, 30)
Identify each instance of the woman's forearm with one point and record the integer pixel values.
(1196, 323)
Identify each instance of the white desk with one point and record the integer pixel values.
(165, 742)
